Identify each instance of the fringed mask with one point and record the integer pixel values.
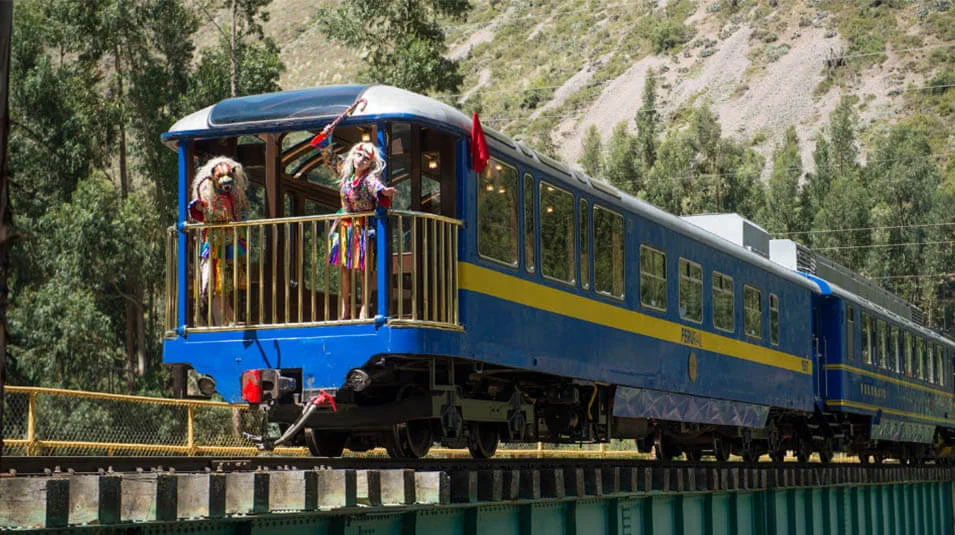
(223, 179)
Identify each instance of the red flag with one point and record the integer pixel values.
(479, 151)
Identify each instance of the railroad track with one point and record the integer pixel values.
(52, 492)
(41, 465)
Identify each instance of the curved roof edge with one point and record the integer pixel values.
(305, 108)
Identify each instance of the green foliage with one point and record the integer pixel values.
(259, 67)
(781, 214)
(93, 86)
(590, 155)
(68, 333)
(903, 180)
(402, 43)
(845, 207)
(621, 167)
(648, 123)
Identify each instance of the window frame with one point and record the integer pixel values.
(721, 289)
(595, 207)
(773, 319)
(542, 183)
(583, 233)
(850, 333)
(866, 326)
(691, 267)
(530, 231)
(662, 281)
(748, 289)
(515, 265)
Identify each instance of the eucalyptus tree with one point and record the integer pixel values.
(648, 123)
(590, 157)
(402, 43)
(841, 226)
(904, 180)
(620, 165)
(781, 214)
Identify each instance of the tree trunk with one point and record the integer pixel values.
(232, 67)
(6, 214)
(123, 175)
(140, 331)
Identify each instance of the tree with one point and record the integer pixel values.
(402, 43)
(842, 224)
(781, 214)
(94, 85)
(590, 156)
(620, 162)
(648, 120)
(903, 179)
(842, 138)
(673, 168)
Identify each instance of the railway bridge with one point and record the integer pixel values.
(265, 495)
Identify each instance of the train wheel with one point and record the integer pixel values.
(413, 440)
(778, 456)
(483, 440)
(750, 456)
(327, 444)
(825, 451)
(693, 454)
(803, 450)
(721, 450)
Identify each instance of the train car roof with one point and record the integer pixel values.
(310, 108)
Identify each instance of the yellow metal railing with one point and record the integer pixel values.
(276, 273)
(50, 421)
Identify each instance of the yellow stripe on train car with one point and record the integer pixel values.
(886, 410)
(907, 384)
(516, 290)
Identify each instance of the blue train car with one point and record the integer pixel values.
(885, 379)
(521, 302)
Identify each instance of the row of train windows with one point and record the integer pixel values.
(561, 223)
(886, 346)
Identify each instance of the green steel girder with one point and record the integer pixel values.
(876, 509)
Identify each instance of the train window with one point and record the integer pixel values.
(724, 317)
(907, 347)
(583, 215)
(608, 252)
(940, 365)
(558, 257)
(691, 291)
(653, 278)
(497, 213)
(774, 319)
(895, 356)
(851, 334)
(880, 334)
(866, 338)
(752, 312)
(930, 363)
(919, 371)
(530, 225)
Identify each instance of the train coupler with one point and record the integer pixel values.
(264, 443)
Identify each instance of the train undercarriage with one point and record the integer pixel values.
(406, 404)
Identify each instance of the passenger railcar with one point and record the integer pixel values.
(524, 302)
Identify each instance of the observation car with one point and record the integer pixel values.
(525, 302)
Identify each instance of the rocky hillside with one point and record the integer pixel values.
(545, 70)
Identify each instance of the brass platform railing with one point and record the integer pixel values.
(275, 273)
